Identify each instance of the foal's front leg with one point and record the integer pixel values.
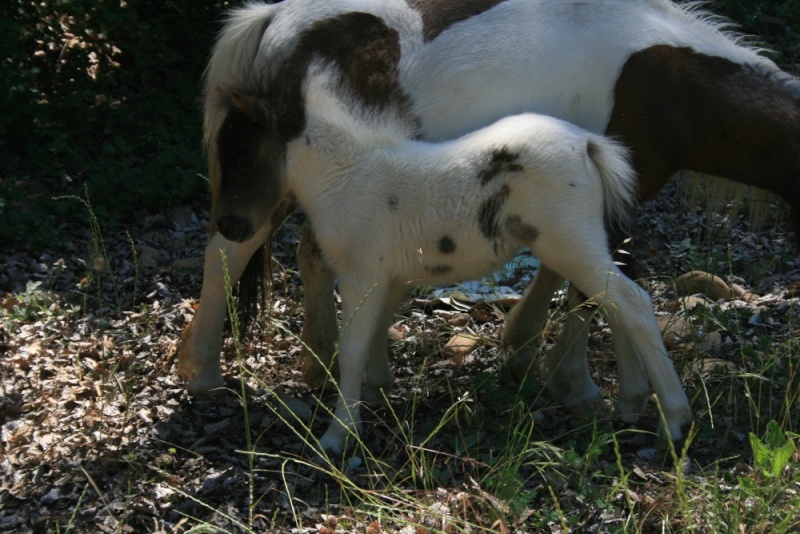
(379, 378)
(362, 309)
(201, 341)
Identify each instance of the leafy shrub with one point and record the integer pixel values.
(102, 93)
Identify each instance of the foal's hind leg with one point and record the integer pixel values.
(320, 330)
(640, 351)
(201, 341)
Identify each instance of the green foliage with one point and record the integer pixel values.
(774, 452)
(103, 94)
(771, 20)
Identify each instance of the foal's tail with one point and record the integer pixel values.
(618, 177)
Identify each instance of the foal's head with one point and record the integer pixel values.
(251, 147)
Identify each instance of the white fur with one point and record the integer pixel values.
(347, 166)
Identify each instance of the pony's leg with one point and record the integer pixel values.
(320, 330)
(565, 369)
(362, 308)
(379, 378)
(639, 348)
(201, 341)
(525, 322)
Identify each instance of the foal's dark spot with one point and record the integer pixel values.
(489, 212)
(447, 245)
(520, 229)
(438, 15)
(438, 270)
(393, 202)
(499, 161)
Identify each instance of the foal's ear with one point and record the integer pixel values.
(254, 107)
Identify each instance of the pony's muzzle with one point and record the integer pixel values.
(235, 228)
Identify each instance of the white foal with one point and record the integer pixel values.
(391, 213)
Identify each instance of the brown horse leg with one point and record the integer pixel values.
(565, 369)
(201, 341)
(320, 330)
(525, 322)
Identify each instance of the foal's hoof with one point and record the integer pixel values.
(595, 407)
(677, 425)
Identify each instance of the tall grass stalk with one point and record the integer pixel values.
(234, 322)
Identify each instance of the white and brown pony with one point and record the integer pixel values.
(668, 82)
(390, 213)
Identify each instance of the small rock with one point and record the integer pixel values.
(713, 364)
(708, 284)
(674, 330)
(459, 346)
(149, 256)
(459, 319)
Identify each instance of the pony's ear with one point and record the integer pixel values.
(254, 107)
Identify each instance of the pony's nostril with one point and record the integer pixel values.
(235, 228)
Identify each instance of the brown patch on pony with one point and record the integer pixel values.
(364, 48)
(679, 109)
(439, 15)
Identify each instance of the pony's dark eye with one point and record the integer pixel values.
(245, 163)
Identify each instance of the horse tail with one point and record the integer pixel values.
(231, 66)
(619, 181)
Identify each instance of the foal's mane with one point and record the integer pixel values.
(334, 114)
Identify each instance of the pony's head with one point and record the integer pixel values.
(251, 152)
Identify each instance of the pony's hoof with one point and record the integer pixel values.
(203, 383)
(521, 362)
(587, 408)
